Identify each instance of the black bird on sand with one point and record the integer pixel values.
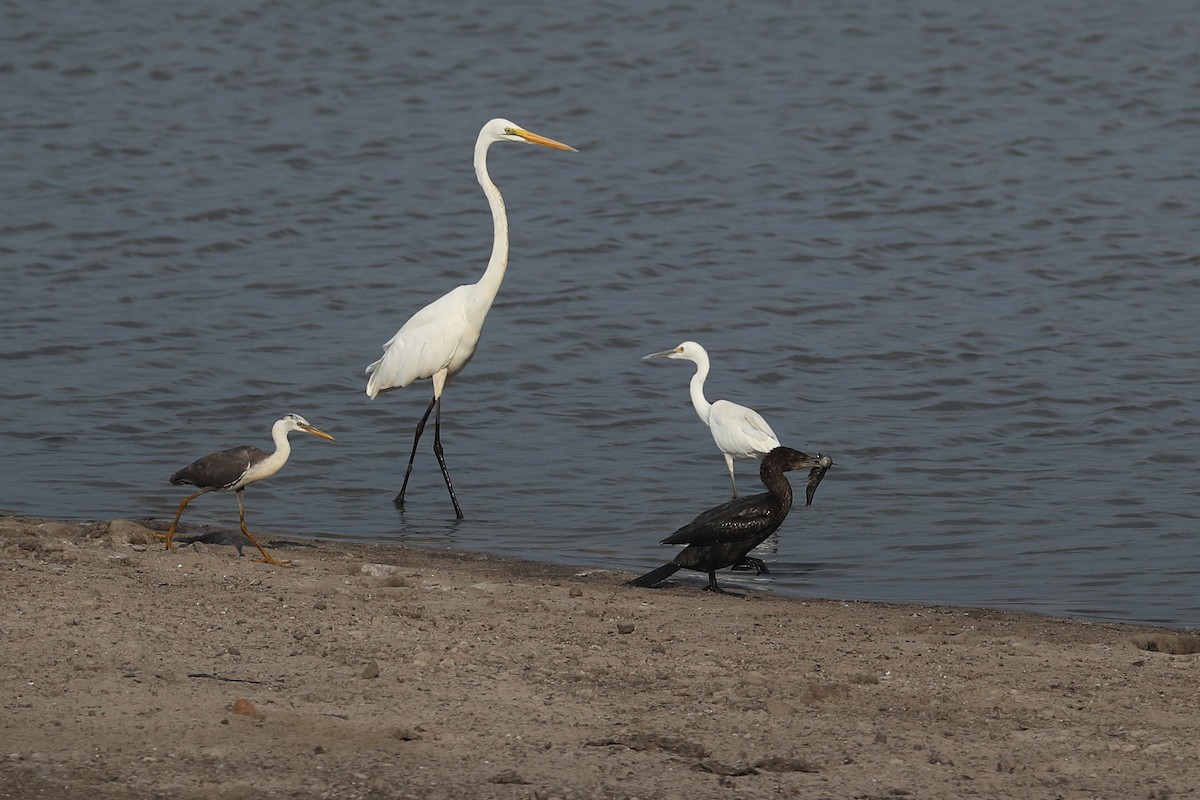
(232, 469)
(722, 536)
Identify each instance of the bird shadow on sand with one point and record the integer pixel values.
(234, 538)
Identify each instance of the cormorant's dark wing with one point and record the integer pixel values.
(221, 469)
(735, 521)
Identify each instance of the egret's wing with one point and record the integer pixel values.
(424, 345)
(740, 431)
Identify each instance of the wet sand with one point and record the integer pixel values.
(371, 672)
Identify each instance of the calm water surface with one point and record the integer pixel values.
(954, 247)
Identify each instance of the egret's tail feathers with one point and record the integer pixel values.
(654, 578)
(382, 375)
(392, 371)
(373, 379)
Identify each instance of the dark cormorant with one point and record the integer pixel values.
(722, 536)
(230, 470)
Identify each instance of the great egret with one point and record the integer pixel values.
(739, 432)
(440, 339)
(233, 469)
(722, 536)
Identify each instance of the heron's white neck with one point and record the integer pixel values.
(498, 263)
(283, 448)
(699, 402)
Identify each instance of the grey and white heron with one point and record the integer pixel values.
(724, 535)
(440, 339)
(739, 432)
(237, 467)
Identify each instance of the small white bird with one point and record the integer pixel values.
(440, 339)
(739, 432)
(235, 468)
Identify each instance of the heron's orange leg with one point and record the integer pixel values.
(266, 557)
(170, 534)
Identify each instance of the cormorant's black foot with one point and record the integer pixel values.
(712, 587)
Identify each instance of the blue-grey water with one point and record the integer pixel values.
(955, 245)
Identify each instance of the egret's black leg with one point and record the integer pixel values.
(399, 501)
(437, 451)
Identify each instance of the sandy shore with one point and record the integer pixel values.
(370, 672)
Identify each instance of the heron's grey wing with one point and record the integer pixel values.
(220, 469)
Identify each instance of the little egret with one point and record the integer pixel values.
(233, 469)
(440, 339)
(739, 432)
(722, 536)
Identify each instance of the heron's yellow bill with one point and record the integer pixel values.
(534, 138)
(315, 432)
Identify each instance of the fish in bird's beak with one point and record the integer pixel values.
(534, 138)
(815, 476)
(315, 432)
(664, 354)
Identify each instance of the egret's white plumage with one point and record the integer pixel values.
(740, 432)
(440, 339)
(233, 469)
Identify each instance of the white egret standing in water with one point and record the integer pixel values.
(739, 432)
(440, 339)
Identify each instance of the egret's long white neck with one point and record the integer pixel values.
(283, 448)
(498, 263)
(699, 402)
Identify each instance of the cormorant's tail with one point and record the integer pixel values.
(654, 578)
